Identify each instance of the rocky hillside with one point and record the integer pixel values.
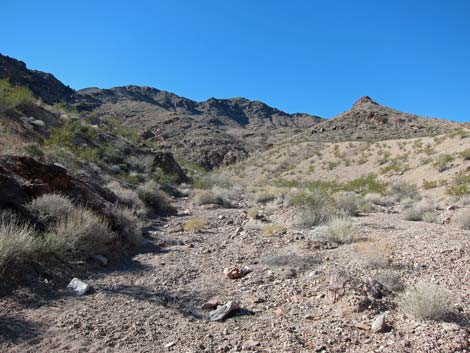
(43, 85)
(210, 133)
(368, 120)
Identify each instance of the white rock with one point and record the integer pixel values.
(378, 325)
(78, 287)
(38, 123)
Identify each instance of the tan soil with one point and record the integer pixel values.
(152, 303)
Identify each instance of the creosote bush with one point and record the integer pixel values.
(153, 198)
(127, 196)
(443, 162)
(128, 225)
(195, 225)
(426, 301)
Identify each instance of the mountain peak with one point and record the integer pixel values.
(364, 100)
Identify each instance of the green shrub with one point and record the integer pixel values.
(365, 184)
(12, 97)
(430, 184)
(210, 180)
(460, 185)
(465, 154)
(443, 162)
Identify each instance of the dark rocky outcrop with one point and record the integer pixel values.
(166, 162)
(23, 179)
(43, 85)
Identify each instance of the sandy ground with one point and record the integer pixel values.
(152, 301)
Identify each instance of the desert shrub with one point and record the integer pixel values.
(426, 301)
(418, 212)
(430, 184)
(215, 196)
(391, 280)
(365, 184)
(153, 198)
(79, 230)
(253, 212)
(379, 200)
(128, 197)
(443, 162)
(402, 190)
(460, 185)
(462, 219)
(210, 180)
(313, 207)
(12, 97)
(264, 197)
(49, 208)
(128, 225)
(465, 154)
(18, 241)
(373, 253)
(348, 203)
(274, 229)
(195, 225)
(34, 150)
(339, 229)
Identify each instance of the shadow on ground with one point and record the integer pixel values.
(15, 330)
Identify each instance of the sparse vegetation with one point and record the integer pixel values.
(443, 162)
(153, 198)
(462, 219)
(373, 253)
(12, 97)
(195, 225)
(18, 241)
(426, 301)
(274, 229)
(215, 196)
(339, 229)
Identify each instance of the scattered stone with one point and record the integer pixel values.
(79, 287)
(38, 123)
(236, 273)
(250, 345)
(379, 324)
(223, 311)
(211, 304)
(101, 259)
(170, 344)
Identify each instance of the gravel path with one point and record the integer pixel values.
(152, 302)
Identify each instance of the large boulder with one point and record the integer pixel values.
(166, 162)
(23, 179)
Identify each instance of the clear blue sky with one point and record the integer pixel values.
(297, 55)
